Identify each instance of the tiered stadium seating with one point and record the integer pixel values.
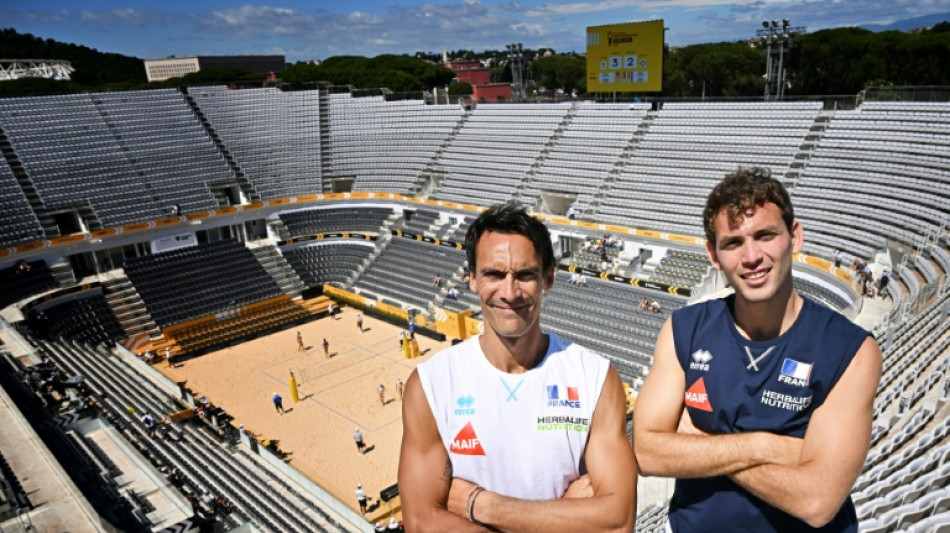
(86, 319)
(604, 316)
(256, 492)
(331, 262)
(400, 274)
(490, 157)
(681, 268)
(162, 139)
(585, 153)
(129, 157)
(18, 222)
(421, 220)
(689, 147)
(18, 282)
(330, 220)
(12, 495)
(273, 135)
(888, 162)
(821, 294)
(199, 280)
(385, 146)
(876, 179)
(267, 315)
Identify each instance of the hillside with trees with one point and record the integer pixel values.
(93, 68)
(840, 61)
(396, 73)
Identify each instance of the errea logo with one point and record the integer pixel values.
(701, 359)
(465, 404)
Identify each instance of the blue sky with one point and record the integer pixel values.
(316, 30)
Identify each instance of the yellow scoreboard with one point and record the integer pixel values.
(625, 57)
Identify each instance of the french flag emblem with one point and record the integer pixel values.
(796, 370)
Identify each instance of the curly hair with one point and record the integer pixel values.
(742, 191)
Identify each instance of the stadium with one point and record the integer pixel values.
(196, 221)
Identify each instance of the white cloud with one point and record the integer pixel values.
(51, 17)
(130, 17)
(249, 21)
(358, 17)
(583, 8)
(531, 29)
(406, 26)
(509, 6)
(248, 15)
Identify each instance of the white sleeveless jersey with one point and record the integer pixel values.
(520, 435)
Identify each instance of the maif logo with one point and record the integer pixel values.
(696, 396)
(465, 404)
(573, 399)
(466, 443)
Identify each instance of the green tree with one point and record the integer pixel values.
(460, 88)
(723, 69)
(396, 73)
(92, 66)
(36, 87)
(560, 72)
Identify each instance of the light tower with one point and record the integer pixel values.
(778, 41)
(516, 60)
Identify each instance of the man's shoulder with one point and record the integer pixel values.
(560, 347)
(443, 358)
(701, 309)
(572, 357)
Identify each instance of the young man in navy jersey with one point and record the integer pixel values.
(759, 403)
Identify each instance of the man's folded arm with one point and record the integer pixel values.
(834, 449)
(663, 451)
(425, 472)
(612, 472)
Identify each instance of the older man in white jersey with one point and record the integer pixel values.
(515, 429)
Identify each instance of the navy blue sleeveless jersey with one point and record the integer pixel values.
(734, 385)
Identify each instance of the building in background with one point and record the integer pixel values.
(479, 77)
(175, 67)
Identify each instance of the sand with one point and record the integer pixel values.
(337, 395)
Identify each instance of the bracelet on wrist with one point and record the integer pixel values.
(468, 501)
(471, 509)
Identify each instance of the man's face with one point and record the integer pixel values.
(509, 280)
(755, 253)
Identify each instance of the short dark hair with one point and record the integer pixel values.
(742, 191)
(512, 219)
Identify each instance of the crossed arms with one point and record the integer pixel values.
(808, 478)
(433, 500)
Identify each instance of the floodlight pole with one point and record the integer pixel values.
(768, 58)
(516, 58)
(781, 36)
(781, 57)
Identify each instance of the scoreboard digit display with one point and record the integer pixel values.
(625, 57)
